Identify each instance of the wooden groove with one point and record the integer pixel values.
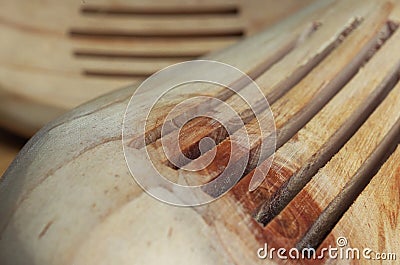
(341, 203)
(139, 68)
(204, 127)
(347, 73)
(252, 62)
(80, 53)
(296, 183)
(155, 134)
(176, 34)
(195, 10)
(327, 89)
(295, 73)
(162, 47)
(308, 53)
(380, 197)
(115, 74)
(362, 153)
(293, 186)
(142, 27)
(319, 92)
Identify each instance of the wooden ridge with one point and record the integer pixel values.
(381, 195)
(333, 80)
(297, 106)
(275, 82)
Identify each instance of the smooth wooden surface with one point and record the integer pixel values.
(76, 55)
(361, 224)
(68, 198)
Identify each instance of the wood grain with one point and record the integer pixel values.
(68, 197)
(341, 115)
(373, 217)
(274, 83)
(298, 105)
(311, 201)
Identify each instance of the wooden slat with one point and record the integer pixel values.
(342, 116)
(308, 205)
(313, 146)
(299, 105)
(69, 197)
(188, 46)
(275, 82)
(145, 66)
(251, 61)
(372, 221)
(158, 25)
(144, 3)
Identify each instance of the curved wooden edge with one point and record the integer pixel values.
(75, 167)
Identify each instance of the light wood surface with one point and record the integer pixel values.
(69, 198)
(373, 218)
(315, 200)
(300, 104)
(79, 50)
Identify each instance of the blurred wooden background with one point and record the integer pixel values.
(10, 144)
(18, 85)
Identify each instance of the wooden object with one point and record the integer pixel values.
(55, 56)
(334, 88)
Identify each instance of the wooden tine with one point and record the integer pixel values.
(311, 148)
(313, 209)
(243, 56)
(342, 117)
(373, 217)
(275, 80)
(303, 101)
(274, 83)
(345, 136)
